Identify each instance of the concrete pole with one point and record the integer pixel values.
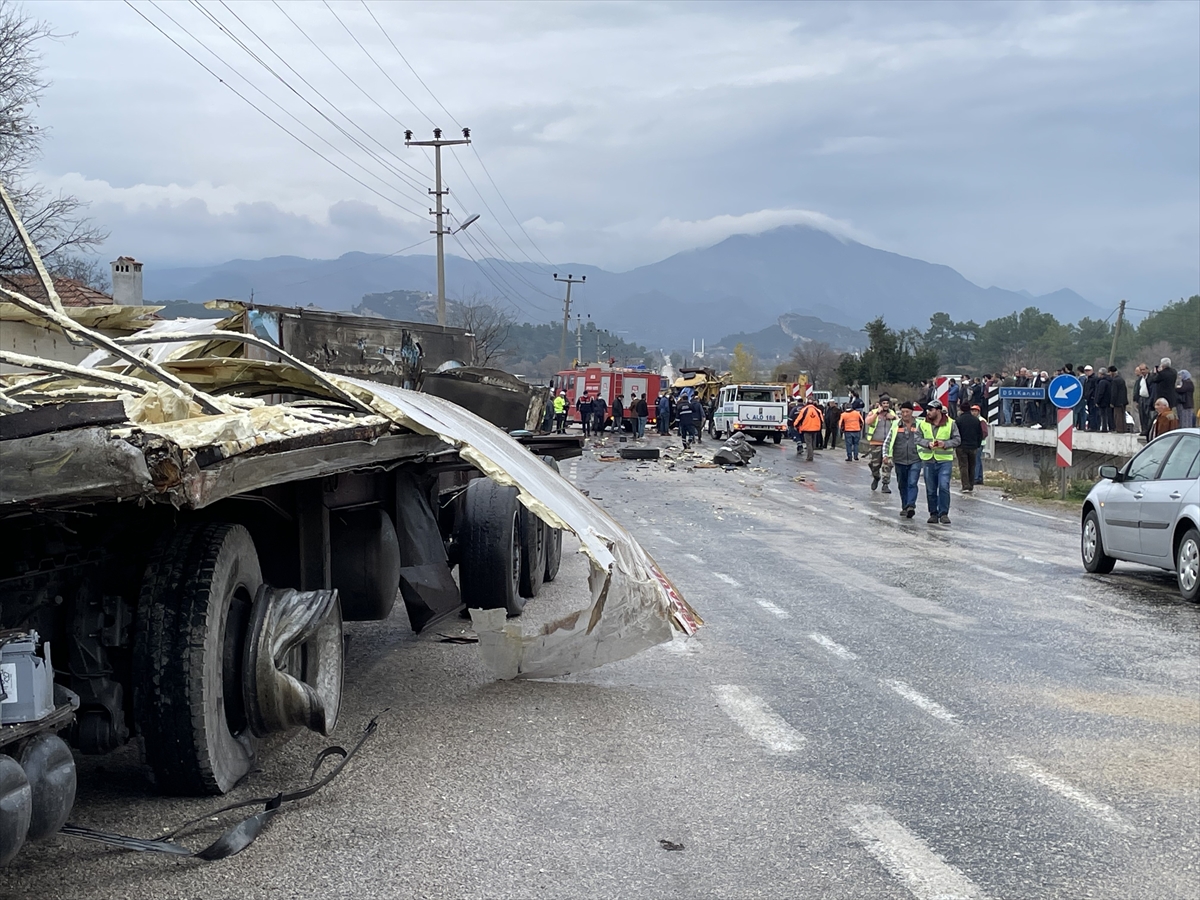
(562, 344)
(441, 235)
(1112, 354)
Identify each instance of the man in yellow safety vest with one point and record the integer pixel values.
(560, 412)
(935, 446)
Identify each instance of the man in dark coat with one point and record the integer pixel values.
(1162, 383)
(618, 414)
(971, 431)
(1120, 399)
(833, 418)
(584, 406)
(599, 414)
(1103, 400)
(1092, 418)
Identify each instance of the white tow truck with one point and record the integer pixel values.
(757, 410)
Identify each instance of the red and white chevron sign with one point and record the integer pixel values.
(1066, 432)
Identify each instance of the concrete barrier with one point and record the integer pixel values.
(1024, 452)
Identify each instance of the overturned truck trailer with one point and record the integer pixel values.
(184, 528)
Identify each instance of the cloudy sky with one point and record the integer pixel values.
(1027, 145)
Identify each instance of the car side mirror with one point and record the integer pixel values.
(1110, 472)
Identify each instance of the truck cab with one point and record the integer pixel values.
(757, 410)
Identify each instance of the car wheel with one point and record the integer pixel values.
(1187, 565)
(1091, 547)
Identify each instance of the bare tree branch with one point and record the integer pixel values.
(490, 325)
(55, 223)
(819, 360)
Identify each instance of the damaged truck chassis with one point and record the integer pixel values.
(198, 603)
(189, 513)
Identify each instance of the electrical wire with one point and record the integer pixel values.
(474, 150)
(255, 106)
(406, 178)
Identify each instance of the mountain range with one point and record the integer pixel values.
(742, 285)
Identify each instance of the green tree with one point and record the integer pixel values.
(891, 357)
(744, 365)
(1176, 323)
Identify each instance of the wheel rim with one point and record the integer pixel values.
(232, 670)
(1089, 540)
(1189, 565)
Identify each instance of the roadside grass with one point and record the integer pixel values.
(1042, 489)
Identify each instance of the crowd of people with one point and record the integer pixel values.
(1108, 402)
(898, 442)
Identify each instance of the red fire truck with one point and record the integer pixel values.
(608, 382)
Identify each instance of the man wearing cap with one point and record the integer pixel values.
(879, 425)
(901, 452)
(585, 408)
(560, 413)
(1120, 399)
(971, 434)
(937, 440)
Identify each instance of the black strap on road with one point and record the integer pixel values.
(244, 833)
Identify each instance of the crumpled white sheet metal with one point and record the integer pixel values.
(634, 606)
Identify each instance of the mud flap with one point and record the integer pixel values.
(426, 585)
(293, 663)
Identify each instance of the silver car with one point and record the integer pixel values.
(1148, 511)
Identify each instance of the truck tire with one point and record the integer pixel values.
(776, 438)
(489, 568)
(553, 537)
(16, 808)
(759, 438)
(193, 614)
(533, 552)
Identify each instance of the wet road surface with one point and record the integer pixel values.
(876, 707)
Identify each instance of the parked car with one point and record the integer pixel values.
(1148, 511)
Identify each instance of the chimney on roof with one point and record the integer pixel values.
(127, 281)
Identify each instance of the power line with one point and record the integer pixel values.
(349, 78)
(252, 104)
(406, 178)
(474, 149)
(346, 28)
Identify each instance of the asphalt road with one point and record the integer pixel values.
(875, 708)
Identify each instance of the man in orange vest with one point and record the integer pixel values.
(808, 422)
(852, 426)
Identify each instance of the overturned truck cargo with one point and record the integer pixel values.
(189, 527)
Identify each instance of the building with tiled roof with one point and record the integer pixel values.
(70, 291)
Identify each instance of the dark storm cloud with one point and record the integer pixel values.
(1027, 145)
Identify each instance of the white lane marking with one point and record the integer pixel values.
(758, 720)
(1098, 808)
(1034, 559)
(1020, 509)
(996, 573)
(907, 858)
(659, 534)
(832, 646)
(773, 609)
(919, 700)
(725, 578)
(841, 519)
(693, 557)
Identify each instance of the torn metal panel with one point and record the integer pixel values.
(492, 394)
(77, 466)
(634, 605)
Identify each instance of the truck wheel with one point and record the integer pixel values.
(533, 552)
(553, 536)
(16, 807)
(1091, 547)
(489, 568)
(193, 615)
(759, 438)
(776, 438)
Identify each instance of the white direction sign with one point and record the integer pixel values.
(1065, 391)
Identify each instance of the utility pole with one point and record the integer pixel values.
(579, 339)
(1112, 354)
(437, 144)
(562, 344)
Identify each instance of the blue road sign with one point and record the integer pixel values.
(1065, 391)
(1022, 393)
